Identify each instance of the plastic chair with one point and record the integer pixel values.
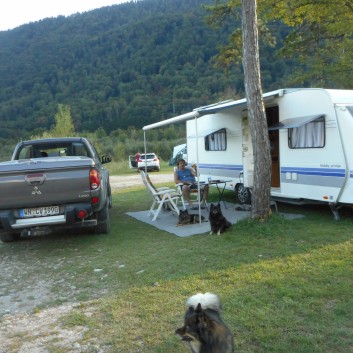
(163, 196)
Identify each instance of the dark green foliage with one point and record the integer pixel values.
(125, 65)
(121, 143)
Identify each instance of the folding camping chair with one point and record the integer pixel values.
(163, 196)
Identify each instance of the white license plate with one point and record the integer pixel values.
(39, 211)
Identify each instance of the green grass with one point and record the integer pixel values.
(285, 285)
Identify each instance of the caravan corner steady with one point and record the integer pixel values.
(310, 131)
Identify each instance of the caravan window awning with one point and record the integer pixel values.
(295, 122)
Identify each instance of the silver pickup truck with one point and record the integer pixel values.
(54, 183)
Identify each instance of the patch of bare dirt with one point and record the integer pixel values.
(120, 182)
(43, 333)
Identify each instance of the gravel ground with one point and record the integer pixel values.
(42, 333)
(21, 330)
(118, 182)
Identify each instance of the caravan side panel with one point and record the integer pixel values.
(311, 173)
(220, 164)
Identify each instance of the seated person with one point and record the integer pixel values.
(186, 176)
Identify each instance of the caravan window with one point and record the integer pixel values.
(310, 135)
(217, 141)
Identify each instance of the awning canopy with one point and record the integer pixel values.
(211, 109)
(188, 116)
(295, 122)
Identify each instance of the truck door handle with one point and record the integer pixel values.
(35, 179)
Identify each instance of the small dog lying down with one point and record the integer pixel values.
(219, 223)
(188, 218)
(204, 330)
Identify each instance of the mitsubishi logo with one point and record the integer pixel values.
(36, 191)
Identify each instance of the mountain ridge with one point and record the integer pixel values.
(124, 65)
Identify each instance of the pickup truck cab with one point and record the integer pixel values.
(54, 183)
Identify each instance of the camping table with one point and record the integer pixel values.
(220, 189)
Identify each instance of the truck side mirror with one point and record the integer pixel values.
(106, 158)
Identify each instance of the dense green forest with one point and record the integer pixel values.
(121, 66)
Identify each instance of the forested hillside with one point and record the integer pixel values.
(119, 66)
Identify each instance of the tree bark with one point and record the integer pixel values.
(256, 113)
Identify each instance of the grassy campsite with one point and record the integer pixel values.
(285, 285)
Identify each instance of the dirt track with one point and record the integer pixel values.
(119, 182)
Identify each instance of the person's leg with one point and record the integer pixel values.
(204, 191)
(186, 193)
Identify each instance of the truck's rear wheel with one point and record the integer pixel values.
(7, 237)
(110, 198)
(103, 219)
(243, 194)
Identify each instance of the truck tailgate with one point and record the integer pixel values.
(44, 182)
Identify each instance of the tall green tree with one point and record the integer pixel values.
(319, 38)
(64, 125)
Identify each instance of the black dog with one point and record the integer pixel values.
(203, 329)
(188, 218)
(219, 223)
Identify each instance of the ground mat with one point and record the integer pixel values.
(167, 220)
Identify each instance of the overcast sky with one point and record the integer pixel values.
(14, 13)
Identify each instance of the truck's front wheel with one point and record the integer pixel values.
(103, 219)
(7, 237)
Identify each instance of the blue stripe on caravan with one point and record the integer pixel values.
(325, 172)
(221, 166)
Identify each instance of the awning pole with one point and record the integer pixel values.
(145, 146)
(197, 168)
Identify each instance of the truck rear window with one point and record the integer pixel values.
(59, 150)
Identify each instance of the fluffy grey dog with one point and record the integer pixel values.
(204, 330)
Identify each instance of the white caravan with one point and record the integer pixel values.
(311, 136)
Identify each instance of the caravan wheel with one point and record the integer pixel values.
(243, 194)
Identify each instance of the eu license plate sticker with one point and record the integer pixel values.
(39, 211)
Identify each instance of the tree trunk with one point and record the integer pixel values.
(256, 113)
